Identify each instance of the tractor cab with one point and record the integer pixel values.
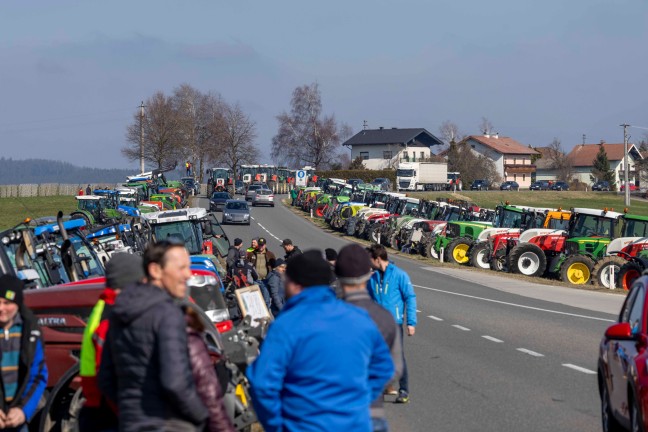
(96, 210)
(218, 179)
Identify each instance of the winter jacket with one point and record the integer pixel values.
(233, 255)
(275, 284)
(322, 363)
(145, 363)
(207, 385)
(32, 370)
(393, 291)
(270, 259)
(296, 251)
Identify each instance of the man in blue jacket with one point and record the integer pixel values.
(391, 287)
(322, 362)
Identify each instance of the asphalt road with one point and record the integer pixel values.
(484, 357)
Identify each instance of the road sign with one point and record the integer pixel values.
(301, 179)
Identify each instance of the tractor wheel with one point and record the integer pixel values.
(374, 234)
(577, 270)
(480, 255)
(606, 271)
(458, 251)
(629, 272)
(528, 259)
(88, 225)
(430, 251)
(499, 262)
(360, 227)
(319, 211)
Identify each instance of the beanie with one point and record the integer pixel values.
(353, 265)
(238, 242)
(11, 288)
(309, 269)
(124, 269)
(331, 254)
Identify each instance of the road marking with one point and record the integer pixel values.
(435, 318)
(579, 369)
(516, 305)
(492, 339)
(457, 326)
(531, 353)
(266, 230)
(418, 311)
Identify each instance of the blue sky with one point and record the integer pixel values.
(73, 72)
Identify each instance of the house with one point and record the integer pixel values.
(383, 148)
(582, 159)
(545, 169)
(512, 159)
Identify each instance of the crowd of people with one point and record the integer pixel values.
(333, 351)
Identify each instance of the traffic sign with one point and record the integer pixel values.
(301, 179)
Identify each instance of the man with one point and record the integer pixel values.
(24, 373)
(331, 256)
(145, 364)
(276, 287)
(234, 254)
(122, 270)
(316, 371)
(290, 249)
(392, 289)
(253, 247)
(188, 168)
(293, 196)
(353, 269)
(88, 190)
(262, 260)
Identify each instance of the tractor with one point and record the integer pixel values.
(96, 211)
(219, 180)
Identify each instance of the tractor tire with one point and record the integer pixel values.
(528, 259)
(88, 225)
(499, 262)
(577, 270)
(603, 274)
(629, 272)
(351, 226)
(374, 233)
(360, 228)
(480, 255)
(458, 251)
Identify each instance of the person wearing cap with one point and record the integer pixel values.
(353, 269)
(234, 254)
(391, 288)
(24, 372)
(290, 249)
(262, 260)
(323, 361)
(122, 270)
(276, 287)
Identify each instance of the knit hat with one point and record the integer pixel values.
(11, 288)
(353, 265)
(331, 254)
(309, 269)
(238, 242)
(124, 269)
(278, 262)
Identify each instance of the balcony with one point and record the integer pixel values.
(519, 169)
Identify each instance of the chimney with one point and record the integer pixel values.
(487, 135)
(381, 128)
(496, 136)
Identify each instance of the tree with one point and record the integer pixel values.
(357, 164)
(449, 132)
(236, 140)
(558, 162)
(471, 165)
(601, 167)
(305, 135)
(486, 127)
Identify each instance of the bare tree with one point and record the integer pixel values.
(559, 162)
(486, 127)
(449, 132)
(237, 139)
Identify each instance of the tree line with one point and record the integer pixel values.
(39, 171)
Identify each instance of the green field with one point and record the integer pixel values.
(545, 199)
(15, 210)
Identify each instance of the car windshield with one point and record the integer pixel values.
(221, 195)
(254, 187)
(236, 206)
(184, 231)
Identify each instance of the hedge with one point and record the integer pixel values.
(365, 175)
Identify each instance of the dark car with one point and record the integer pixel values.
(560, 186)
(217, 201)
(480, 185)
(383, 183)
(191, 185)
(540, 185)
(239, 187)
(510, 185)
(236, 211)
(601, 186)
(354, 182)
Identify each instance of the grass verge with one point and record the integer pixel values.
(15, 210)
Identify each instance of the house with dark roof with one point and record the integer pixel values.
(582, 159)
(512, 159)
(383, 148)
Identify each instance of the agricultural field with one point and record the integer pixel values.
(15, 210)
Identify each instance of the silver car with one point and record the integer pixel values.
(236, 212)
(251, 191)
(263, 196)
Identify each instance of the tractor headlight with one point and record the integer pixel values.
(5, 240)
(198, 281)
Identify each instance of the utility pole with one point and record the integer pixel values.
(142, 137)
(584, 138)
(625, 165)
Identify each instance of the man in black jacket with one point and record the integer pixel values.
(145, 366)
(234, 254)
(290, 249)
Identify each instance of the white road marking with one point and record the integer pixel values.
(266, 230)
(435, 318)
(531, 353)
(579, 369)
(492, 339)
(516, 305)
(418, 311)
(457, 326)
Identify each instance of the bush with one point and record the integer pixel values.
(365, 175)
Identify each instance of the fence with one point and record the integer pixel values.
(44, 189)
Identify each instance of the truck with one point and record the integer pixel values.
(416, 176)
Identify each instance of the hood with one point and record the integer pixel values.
(137, 299)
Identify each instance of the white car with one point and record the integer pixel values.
(263, 196)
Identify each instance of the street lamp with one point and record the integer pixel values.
(626, 187)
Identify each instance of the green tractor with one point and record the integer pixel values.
(457, 237)
(96, 210)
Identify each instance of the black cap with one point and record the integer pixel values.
(278, 262)
(353, 265)
(309, 269)
(331, 254)
(11, 288)
(124, 269)
(262, 241)
(238, 242)
(286, 242)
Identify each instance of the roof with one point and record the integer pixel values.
(393, 136)
(503, 145)
(175, 215)
(583, 155)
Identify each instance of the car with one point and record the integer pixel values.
(632, 187)
(480, 185)
(263, 196)
(601, 186)
(217, 201)
(383, 183)
(560, 186)
(354, 182)
(251, 191)
(239, 187)
(540, 185)
(191, 185)
(510, 185)
(236, 212)
(622, 365)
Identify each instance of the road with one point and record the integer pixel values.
(486, 356)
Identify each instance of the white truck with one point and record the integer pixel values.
(416, 176)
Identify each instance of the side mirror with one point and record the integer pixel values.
(620, 331)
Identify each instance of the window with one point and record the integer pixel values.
(364, 155)
(514, 161)
(633, 314)
(523, 177)
(387, 154)
(514, 176)
(422, 155)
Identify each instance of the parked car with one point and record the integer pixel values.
(383, 183)
(622, 365)
(251, 191)
(601, 186)
(239, 187)
(191, 184)
(510, 185)
(263, 196)
(354, 182)
(560, 186)
(633, 187)
(236, 211)
(480, 185)
(540, 185)
(217, 201)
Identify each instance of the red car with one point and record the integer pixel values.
(623, 368)
(633, 187)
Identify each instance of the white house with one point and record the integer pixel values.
(383, 148)
(582, 159)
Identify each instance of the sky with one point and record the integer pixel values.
(72, 73)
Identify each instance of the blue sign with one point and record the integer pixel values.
(301, 174)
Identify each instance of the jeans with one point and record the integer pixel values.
(403, 382)
(379, 425)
